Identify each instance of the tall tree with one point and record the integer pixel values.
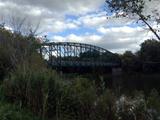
(136, 8)
(150, 51)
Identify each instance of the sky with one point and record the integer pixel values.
(85, 21)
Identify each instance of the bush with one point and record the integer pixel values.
(105, 106)
(153, 104)
(14, 49)
(11, 112)
(28, 86)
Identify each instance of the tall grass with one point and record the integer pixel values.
(50, 96)
(13, 112)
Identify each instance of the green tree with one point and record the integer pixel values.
(150, 51)
(134, 8)
(14, 49)
(90, 55)
(130, 62)
(149, 54)
(108, 57)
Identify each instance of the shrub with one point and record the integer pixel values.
(11, 112)
(28, 86)
(105, 106)
(153, 104)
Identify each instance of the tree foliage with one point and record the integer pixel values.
(146, 59)
(130, 62)
(15, 49)
(133, 8)
(150, 51)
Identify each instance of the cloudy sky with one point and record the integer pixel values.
(83, 21)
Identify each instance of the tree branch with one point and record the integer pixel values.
(143, 19)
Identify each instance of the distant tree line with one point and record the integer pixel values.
(93, 55)
(147, 59)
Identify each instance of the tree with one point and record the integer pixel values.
(130, 62)
(150, 51)
(135, 8)
(115, 58)
(15, 49)
(90, 55)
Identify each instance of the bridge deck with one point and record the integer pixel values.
(83, 63)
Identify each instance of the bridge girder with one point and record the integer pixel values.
(56, 52)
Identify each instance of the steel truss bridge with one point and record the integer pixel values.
(70, 54)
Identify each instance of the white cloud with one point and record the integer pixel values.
(60, 6)
(58, 38)
(93, 20)
(117, 39)
(100, 19)
(123, 38)
(35, 12)
(53, 25)
(90, 39)
(102, 30)
(123, 29)
(51, 13)
(114, 34)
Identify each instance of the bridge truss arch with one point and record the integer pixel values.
(74, 54)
